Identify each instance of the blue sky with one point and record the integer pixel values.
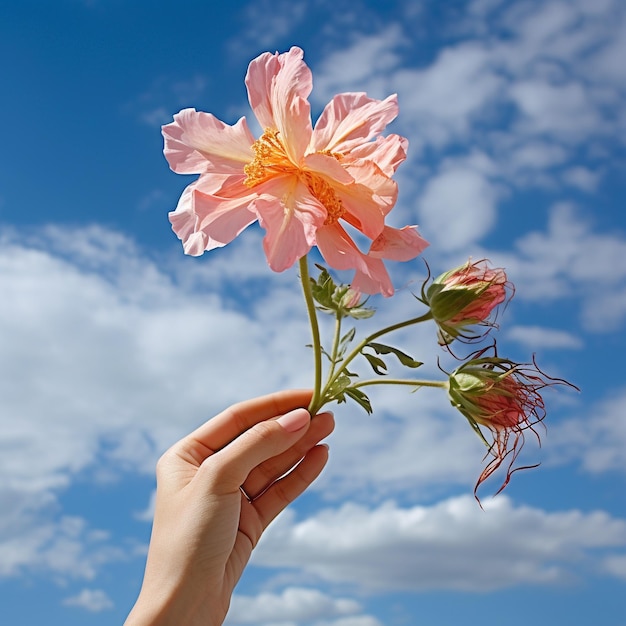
(113, 344)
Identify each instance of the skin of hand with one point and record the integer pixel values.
(205, 527)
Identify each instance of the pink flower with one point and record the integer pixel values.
(301, 183)
(503, 397)
(465, 297)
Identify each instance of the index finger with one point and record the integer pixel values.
(235, 420)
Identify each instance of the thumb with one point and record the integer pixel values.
(230, 466)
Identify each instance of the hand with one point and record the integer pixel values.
(217, 491)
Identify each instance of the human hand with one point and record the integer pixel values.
(217, 491)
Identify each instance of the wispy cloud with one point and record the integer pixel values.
(265, 23)
(156, 104)
(35, 537)
(597, 444)
(92, 600)
(569, 260)
(547, 338)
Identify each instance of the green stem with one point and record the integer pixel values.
(315, 332)
(335, 350)
(388, 329)
(401, 381)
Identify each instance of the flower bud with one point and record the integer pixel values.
(502, 397)
(465, 297)
(351, 299)
(342, 300)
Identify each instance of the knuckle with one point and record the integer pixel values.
(264, 432)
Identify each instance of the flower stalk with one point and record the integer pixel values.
(315, 333)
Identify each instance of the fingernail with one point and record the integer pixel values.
(294, 420)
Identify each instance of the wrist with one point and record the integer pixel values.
(176, 610)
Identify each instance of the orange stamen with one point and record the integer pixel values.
(270, 159)
(326, 195)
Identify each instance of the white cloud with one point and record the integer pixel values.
(439, 102)
(597, 439)
(607, 61)
(531, 95)
(570, 260)
(112, 359)
(547, 338)
(34, 537)
(106, 319)
(360, 620)
(525, 97)
(93, 600)
(582, 177)
(537, 154)
(292, 605)
(106, 358)
(457, 208)
(267, 21)
(616, 565)
(564, 111)
(364, 65)
(437, 547)
(543, 26)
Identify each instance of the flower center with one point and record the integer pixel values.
(326, 196)
(270, 159)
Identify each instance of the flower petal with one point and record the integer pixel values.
(204, 221)
(222, 219)
(278, 88)
(366, 203)
(184, 222)
(291, 222)
(384, 190)
(340, 252)
(338, 248)
(387, 152)
(351, 119)
(396, 244)
(197, 142)
(329, 167)
(375, 280)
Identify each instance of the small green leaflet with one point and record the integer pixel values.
(359, 397)
(379, 366)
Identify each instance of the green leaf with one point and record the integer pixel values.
(360, 312)
(405, 359)
(378, 365)
(360, 398)
(339, 385)
(344, 342)
(323, 289)
(324, 352)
